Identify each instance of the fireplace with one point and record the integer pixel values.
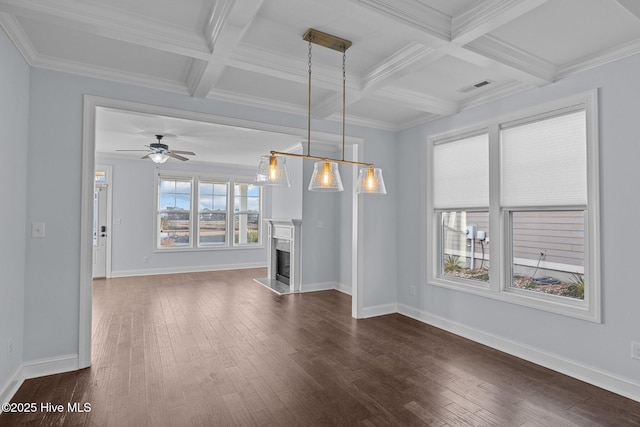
(283, 256)
(283, 261)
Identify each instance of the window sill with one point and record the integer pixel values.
(565, 306)
(210, 249)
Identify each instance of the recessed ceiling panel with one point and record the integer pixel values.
(280, 25)
(449, 7)
(445, 79)
(564, 31)
(271, 89)
(82, 48)
(190, 14)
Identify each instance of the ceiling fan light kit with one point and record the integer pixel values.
(158, 157)
(326, 174)
(160, 153)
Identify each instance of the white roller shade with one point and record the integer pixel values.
(461, 173)
(544, 163)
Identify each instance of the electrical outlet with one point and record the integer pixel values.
(635, 350)
(145, 259)
(10, 345)
(412, 290)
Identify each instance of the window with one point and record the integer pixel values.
(212, 213)
(194, 213)
(246, 210)
(174, 213)
(461, 200)
(513, 207)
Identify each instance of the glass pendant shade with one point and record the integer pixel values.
(272, 170)
(370, 181)
(326, 177)
(158, 157)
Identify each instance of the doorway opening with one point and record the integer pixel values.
(91, 106)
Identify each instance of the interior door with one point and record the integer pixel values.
(100, 231)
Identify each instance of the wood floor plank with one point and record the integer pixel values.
(218, 349)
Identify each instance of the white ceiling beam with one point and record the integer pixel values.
(228, 21)
(94, 19)
(486, 16)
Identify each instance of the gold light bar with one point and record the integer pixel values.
(306, 156)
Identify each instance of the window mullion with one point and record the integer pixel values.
(496, 250)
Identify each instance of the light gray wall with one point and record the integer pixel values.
(605, 346)
(14, 108)
(287, 202)
(54, 194)
(133, 207)
(319, 231)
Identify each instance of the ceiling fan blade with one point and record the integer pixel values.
(132, 150)
(188, 153)
(175, 156)
(145, 157)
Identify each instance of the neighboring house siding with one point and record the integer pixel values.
(560, 235)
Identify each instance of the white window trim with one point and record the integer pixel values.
(194, 245)
(499, 281)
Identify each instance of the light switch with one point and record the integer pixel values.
(37, 229)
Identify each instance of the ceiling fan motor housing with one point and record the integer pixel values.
(157, 146)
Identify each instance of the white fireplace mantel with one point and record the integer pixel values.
(288, 230)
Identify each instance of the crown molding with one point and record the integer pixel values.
(67, 66)
(18, 37)
(609, 55)
(111, 23)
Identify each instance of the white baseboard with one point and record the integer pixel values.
(379, 310)
(605, 380)
(177, 270)
(315, 287)
(343, 288)
(35, 369)
(11, 386)
(50, 366)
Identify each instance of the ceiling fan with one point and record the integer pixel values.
(160, 153)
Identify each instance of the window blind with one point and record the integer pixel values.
(461, 173)
(544, 163)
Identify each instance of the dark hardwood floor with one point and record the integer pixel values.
(218, 349)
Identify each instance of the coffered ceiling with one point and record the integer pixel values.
(411, 60)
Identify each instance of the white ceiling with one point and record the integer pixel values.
(411, 60)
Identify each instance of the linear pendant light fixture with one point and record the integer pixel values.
(272, 169)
